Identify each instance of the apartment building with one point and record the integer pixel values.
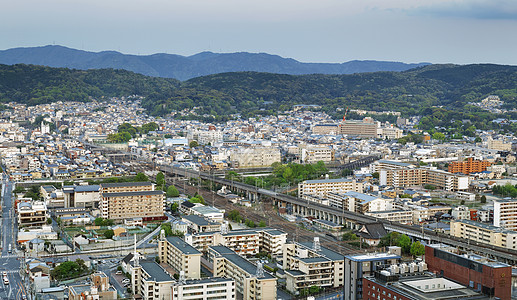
(358, 266)
(505, 214)
(384, 164)
(119, 187)
(400, 216)
(251, 281)
(391, 133)
(151, 281)
(469, 166)
(357, 202)
(147, 205)
(407, 177)
(309, 264)
(128, 200)
(205, 289)
(326, 129)
(310, 154)
(500, 145)
(199, 224)
(255, 157)
(491, 277)
(364, 128)
(180, 256)
(322, 187)
(484, 233)
(32, 214)
(245, 242)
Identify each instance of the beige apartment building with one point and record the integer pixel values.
(484, 233)
(205, 289)
(357, 202)
(329, 128)
(245, 242)
(128, 205)
(322, 187)
(400, 216)
(308, 264)
(311, 154)
(126, 187)
(128, 200)
(181, 256)
(32, 214)
(251, 281)
(499, 145)
(364, 128)
(255, 157)
(403, 175)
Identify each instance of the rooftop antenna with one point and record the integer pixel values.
(136, 253)
(317, 246)
(260, 270)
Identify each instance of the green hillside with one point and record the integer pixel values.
(438, 92)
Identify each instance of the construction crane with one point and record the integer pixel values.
(346, 112)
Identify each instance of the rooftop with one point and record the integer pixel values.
(125, 194)
(328, 180)
(182, 246)
(155, 272)
(124, 184)
(372, 256)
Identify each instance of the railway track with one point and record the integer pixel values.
(267, 212)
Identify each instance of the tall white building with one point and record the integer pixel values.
(505, 214)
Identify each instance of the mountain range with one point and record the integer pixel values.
(186, 67)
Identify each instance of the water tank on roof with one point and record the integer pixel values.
(403, 268)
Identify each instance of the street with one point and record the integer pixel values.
(9, 262)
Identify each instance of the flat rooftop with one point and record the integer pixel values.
(372, 256)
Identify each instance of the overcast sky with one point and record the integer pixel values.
(437, 31)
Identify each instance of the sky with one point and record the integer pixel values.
(436, 31)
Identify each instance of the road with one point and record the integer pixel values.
(10, 262)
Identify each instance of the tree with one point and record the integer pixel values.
(160, 179)
(349, 236)
(483, 199)
(417, 249)
(174, 207)
(167, 228)
(375, 175)
(141, 177)
(404, 242)
(193, 144)
(172, 191)
(438, 136)
(49, 221)
(262, 223)
(109, 233)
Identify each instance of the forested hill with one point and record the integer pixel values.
(186, 67)
(262, 93)
(410, 91)
(37, 85)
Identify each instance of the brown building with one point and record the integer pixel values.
(129, 200)
(469, 166)
(491, 277)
